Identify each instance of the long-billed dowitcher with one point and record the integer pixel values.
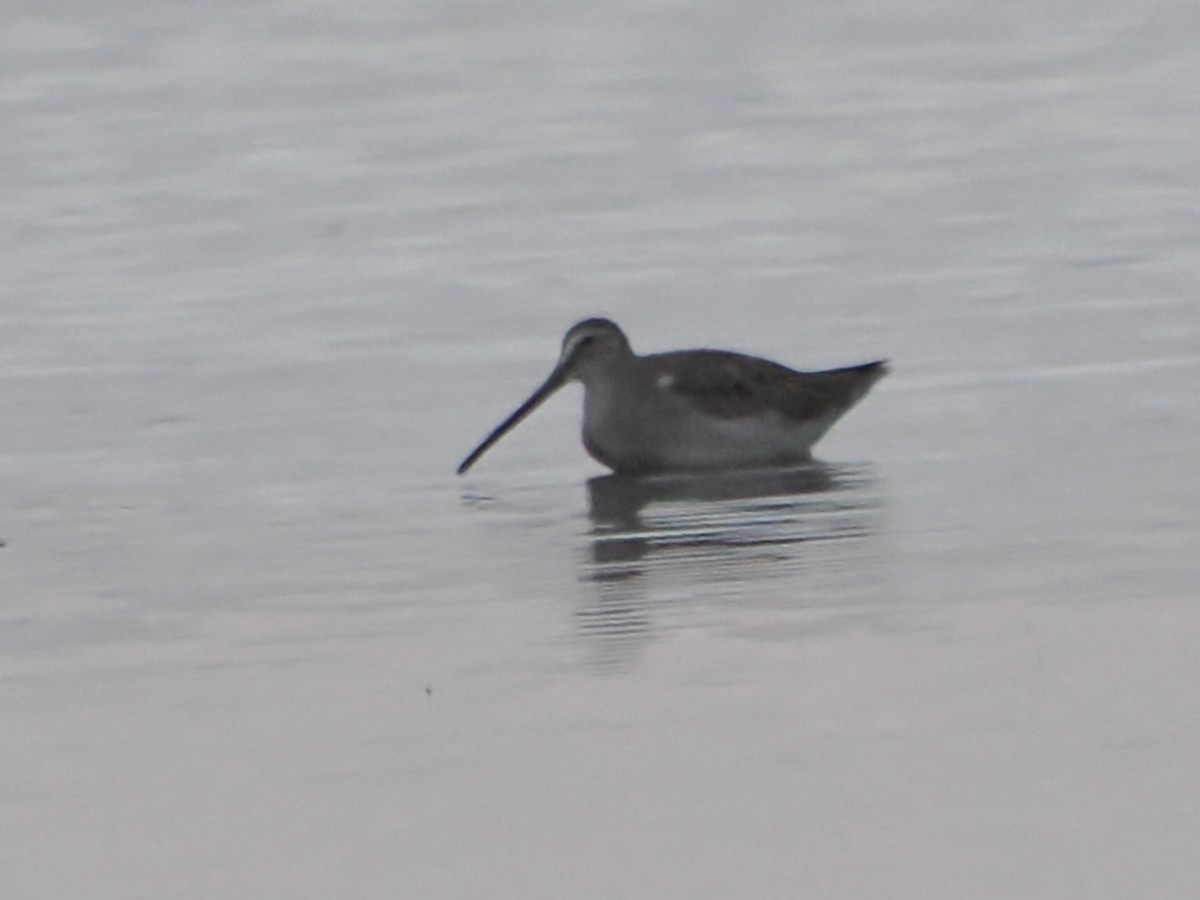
(691, 409)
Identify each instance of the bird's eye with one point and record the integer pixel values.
(578, 344)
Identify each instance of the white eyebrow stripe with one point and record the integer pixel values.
(570, 346)
(577, 339)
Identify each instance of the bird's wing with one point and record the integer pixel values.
(731, 385)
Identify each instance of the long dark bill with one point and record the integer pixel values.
(556, 380)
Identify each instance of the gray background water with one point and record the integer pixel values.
(271, 269)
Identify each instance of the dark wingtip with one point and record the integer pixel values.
(876, 369)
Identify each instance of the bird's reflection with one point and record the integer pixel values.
(655, 540)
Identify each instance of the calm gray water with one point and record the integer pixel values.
(271, 269)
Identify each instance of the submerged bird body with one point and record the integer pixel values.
(692, 409)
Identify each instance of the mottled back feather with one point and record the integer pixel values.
(732, 386)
